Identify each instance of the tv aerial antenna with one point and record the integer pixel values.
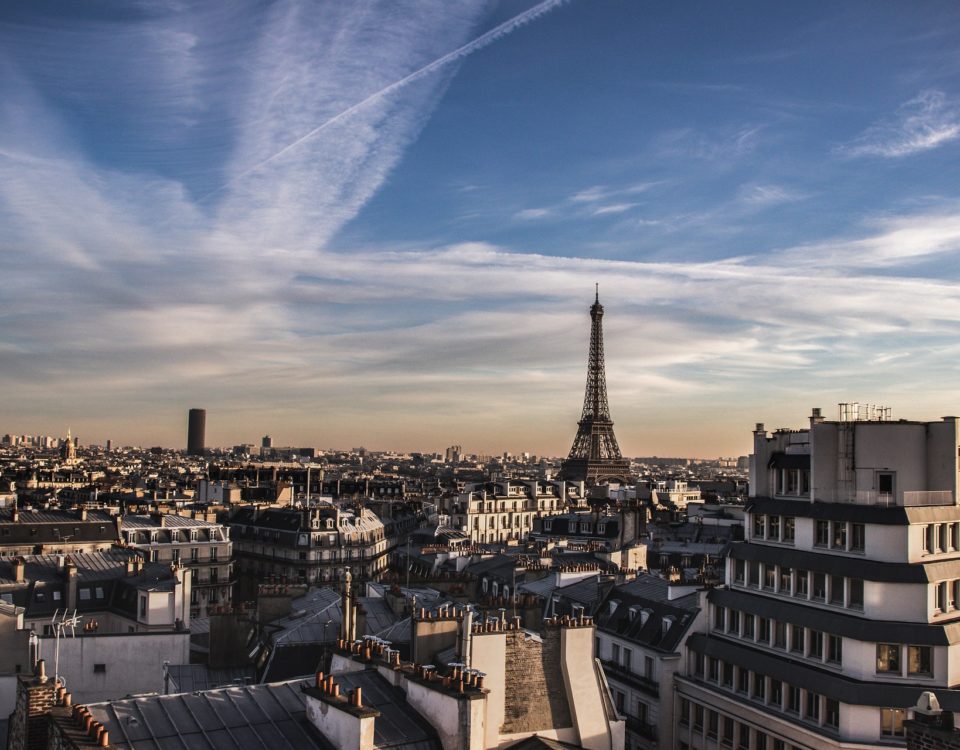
(60, 624)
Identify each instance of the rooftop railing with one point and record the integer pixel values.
(908, 499)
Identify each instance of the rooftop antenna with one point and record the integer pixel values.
(597, 285)
(59, 628)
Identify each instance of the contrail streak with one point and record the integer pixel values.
(469, 48)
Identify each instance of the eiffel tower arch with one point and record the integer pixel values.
(595, 456)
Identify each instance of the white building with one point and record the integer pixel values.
(843, 603)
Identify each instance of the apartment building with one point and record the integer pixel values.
(200, 545)
(499, 512)
(842, 605)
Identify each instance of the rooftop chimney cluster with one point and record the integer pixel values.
(331, 690)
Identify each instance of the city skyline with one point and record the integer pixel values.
(381, 225)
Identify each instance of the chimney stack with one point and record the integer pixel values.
(19, 564)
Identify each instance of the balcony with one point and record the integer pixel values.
(623, 674)
(641, 727)
(909, 499)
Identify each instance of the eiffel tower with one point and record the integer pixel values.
(595, 455)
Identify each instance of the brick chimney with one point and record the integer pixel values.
(19, 565)
(36, 696)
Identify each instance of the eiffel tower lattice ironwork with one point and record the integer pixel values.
(595, 455)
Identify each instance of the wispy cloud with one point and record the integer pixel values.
(927, 121)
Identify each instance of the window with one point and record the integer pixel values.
(99, 668)
(954, 536)
(857, 537)
(713, 724)
(763, 630)
(194, 554)
(748, 626)
(885, 482)
(891, 722)
(714, 666)
(836, 590)
(698, 717)
(803, 584)
(769, 576)
(780, 635)
(727, 673)
(684, 711)
(813, 706)
(888, 657)
(785, 575)
(823, 533)
(733, 621)
(776, 692)
(796, 638)
(832, 718)
(615, 652)
(940, 596)
(789, 528)
(84, 594)
(819, 587)
(759, 687)
(856, 594)
(773, 529)
(759, 526)
(718, 617)
(815, 645)
(839, 540)
(743, 680)
(627, 658)
(793, 699)
(928, 541)
(143, 606)
(754, 574)
(648, 667)
(739, 571)
(919, 661)
(727, 730)
(835, 649)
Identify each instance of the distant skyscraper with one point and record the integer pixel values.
(196, 432)
(267, 442)
(595, 455)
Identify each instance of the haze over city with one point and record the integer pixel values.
(382, 223)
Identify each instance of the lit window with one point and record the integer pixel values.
(888, 657)
(920, 661)
(891, 722)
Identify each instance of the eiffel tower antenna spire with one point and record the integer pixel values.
(595, 455)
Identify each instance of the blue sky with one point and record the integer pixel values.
(380, 223)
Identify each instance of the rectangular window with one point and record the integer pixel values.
(727, 675)
(832, 719)
(888, 657)
(776, 693)
(780, 634)
(773, 528)
(839, 539)
(835, 649)
(796, 638)
(143, 606)
(856, 594)
(615, 653)
(194, 554)
(733, 621)
(823, 534)
(815, 645)
(754, 574)
(928, 539)
(713, 724)
(819, 587)
(627, 658)
(648, 668)
(813, 706)
(769, 576)
(698, 717)
(759, 687)
(858, 537)
(763, 630)
(954, 536)
(940, 596)
(793, 699)
(748, 621)
(718, 617)
(891, 722)
(727, 730)
(743, 680)
(885, 483)
(759, 526)
(836, 590)
(739, 571)
(99, 668)
(714, 669)
(84, 595)
(760, 743)
(803, 584)
(786, 576)
(920, 661)
(789, 528)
